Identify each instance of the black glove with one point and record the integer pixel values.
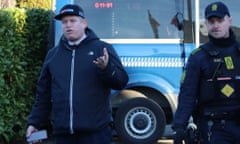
(179, 136)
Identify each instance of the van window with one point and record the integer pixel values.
(137, 19)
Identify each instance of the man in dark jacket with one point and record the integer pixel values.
(75, 83)
(211, 83)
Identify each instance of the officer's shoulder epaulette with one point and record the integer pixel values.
(210, 49)
(196, 50)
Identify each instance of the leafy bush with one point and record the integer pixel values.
(23, 45)
(34, 3)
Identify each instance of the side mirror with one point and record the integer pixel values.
(179, 21)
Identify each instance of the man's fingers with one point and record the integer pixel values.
(105, 53)
(102, 61)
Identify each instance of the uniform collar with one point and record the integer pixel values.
(224, 42)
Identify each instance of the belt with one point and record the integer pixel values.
(220, 115)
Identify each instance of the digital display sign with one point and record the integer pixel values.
(103, 5)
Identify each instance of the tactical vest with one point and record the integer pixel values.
(223, 87)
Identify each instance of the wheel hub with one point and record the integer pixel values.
(140, 122)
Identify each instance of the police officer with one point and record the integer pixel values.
(210, 84)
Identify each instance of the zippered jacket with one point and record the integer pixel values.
(73, 91)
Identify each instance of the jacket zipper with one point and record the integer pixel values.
(71, 92)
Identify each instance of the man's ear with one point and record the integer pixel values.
(85, 23)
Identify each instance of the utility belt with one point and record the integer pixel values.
(218, 116)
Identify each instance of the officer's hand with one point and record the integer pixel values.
(179, 136)
(102, 61)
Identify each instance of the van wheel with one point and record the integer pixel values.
(139, 120)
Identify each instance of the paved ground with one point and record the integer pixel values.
(161, 141)
(116, 141)
(165, 140)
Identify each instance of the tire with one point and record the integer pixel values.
(139, 121)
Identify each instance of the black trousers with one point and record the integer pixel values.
(103, 136)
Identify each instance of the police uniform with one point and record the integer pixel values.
(210, 91)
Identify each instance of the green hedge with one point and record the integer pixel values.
(23, 45)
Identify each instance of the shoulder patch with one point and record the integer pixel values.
(196, 50)
(183, 76)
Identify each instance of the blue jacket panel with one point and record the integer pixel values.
(73, 90)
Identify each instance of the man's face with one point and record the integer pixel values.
(219, 27)
(73, 27)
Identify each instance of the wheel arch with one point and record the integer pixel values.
(153, 87)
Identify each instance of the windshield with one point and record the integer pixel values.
(132, 19)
